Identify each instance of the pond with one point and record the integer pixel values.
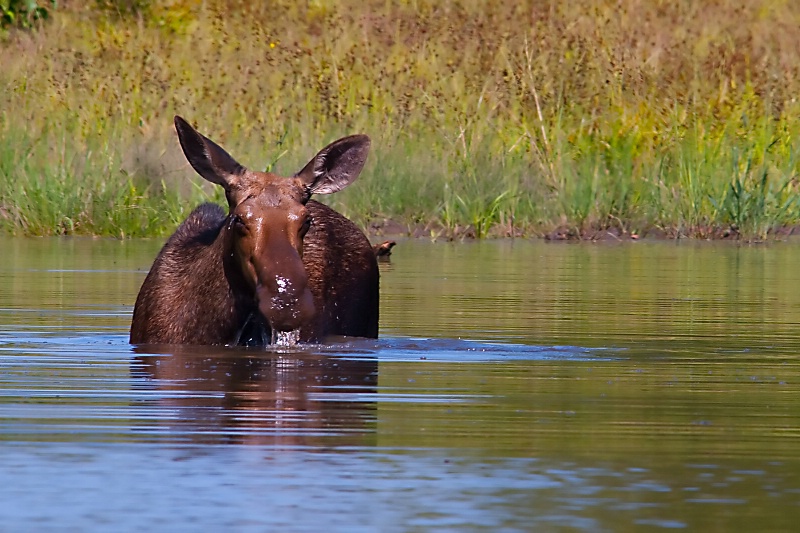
(516, 386)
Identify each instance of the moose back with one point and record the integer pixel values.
(277, 262)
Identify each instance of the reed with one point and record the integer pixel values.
(487, 117)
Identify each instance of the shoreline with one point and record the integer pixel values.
(389, 229)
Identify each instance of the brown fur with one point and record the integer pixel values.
(213, 283)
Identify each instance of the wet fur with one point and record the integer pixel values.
(193, 294)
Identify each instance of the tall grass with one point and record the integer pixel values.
(53, 185)
(487, 117)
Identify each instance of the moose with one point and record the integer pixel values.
(278, 267)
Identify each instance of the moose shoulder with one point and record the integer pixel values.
(276, 262)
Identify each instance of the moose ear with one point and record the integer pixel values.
(207, 157)
(336, 166)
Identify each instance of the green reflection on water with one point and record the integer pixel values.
(703, 339)
(712, 294)
(71, 282)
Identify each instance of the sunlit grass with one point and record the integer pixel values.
(487, 118)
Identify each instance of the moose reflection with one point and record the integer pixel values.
(241, 396)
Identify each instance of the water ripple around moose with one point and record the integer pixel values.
(516, 386)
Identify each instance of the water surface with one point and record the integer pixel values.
(516, 386)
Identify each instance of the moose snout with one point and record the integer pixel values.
(285, 304)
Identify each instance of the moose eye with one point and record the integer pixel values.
(238, 224)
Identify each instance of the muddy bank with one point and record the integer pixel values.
(387, 228)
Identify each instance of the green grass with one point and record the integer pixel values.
(487, 117)
(57, 187)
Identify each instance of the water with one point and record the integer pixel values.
(516, 386)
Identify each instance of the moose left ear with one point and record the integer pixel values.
(336, 166)
(207, 157)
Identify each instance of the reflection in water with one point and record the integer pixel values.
(229, 395)
(522, 387)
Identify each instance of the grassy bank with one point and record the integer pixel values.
(487, 117)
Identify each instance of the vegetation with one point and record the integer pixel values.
(24, 13)
(487, 117)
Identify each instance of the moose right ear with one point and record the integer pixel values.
(207, 157)
(336, 166)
